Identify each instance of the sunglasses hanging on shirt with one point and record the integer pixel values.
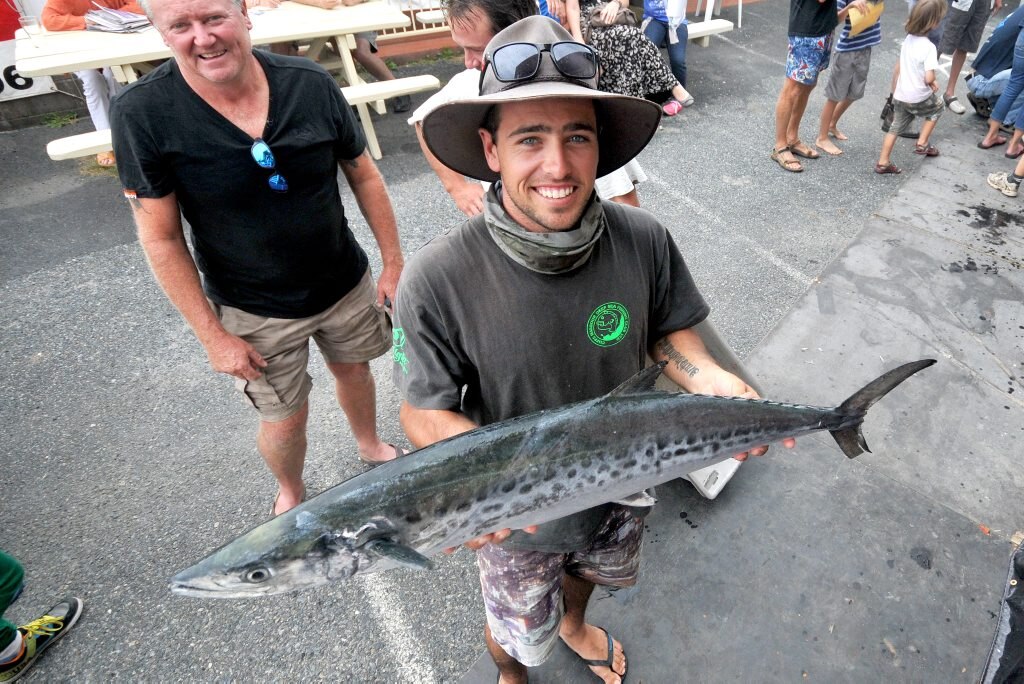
(263, 156)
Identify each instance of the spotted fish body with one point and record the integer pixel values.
(519, 472)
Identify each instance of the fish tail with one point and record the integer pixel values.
(850, 439)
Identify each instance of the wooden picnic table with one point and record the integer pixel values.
(59, 52)
(128, 54)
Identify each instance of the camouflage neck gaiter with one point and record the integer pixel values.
(558, 252)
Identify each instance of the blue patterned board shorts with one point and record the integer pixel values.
(522, 590)
(807, 58)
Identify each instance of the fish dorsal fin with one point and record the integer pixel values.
(641, 382)
(399, 553)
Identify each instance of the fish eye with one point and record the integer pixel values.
(258, 575)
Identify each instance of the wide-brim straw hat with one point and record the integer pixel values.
(625, 124)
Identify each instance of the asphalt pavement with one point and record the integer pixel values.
(125, 458)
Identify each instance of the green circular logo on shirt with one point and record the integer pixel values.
(608, 324)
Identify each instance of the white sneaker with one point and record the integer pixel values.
(1001, 182)
(954, 104)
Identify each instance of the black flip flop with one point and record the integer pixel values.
(609, 660)
(399, 453)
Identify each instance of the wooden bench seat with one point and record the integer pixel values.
(79, 145)
(360, 95)
(378, 91)
(701, 31)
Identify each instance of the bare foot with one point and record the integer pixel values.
(827, 146)
(837, 134)
(382, 453)
(591, 643)
(992, 141)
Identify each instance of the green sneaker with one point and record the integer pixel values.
(39, 634)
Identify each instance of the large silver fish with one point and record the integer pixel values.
(515, 473)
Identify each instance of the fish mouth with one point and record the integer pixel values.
(195, 591)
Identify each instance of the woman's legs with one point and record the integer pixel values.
(657, 33)
(677, 54)
(99, 86)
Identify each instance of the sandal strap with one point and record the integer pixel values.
(607, 662)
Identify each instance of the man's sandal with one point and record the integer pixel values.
(791, 165)
(609, 659)
(273, 506)
(399, 452)
(926, 150)
(887, 168)
(801, 149)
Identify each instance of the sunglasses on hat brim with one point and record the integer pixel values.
(516, 62)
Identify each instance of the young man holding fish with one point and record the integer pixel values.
(565, 298)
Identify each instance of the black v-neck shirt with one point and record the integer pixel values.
(278, 254)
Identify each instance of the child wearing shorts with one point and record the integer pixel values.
(916, 91)
(849, 73)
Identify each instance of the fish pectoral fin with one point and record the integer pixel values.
(638, 500)
(399, 553)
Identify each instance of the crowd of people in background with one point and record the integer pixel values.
(995, 83)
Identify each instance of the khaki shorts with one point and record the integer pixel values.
(522, 590)
(351, 331)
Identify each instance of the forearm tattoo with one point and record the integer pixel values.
(681, 362)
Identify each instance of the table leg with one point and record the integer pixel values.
(124, 73)
(348, 66)
(371, 134)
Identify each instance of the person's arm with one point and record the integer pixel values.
(691, 367)
(468, 194)
(60, 15)
(163, 241)
(572, 19)
(929, 80)
(372, 196)
(423, 427)
(556, 8)
(610, 11)
(861, 5)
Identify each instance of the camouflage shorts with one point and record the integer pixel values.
(522, 590)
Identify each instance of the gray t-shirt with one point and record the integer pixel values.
(477, 332)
